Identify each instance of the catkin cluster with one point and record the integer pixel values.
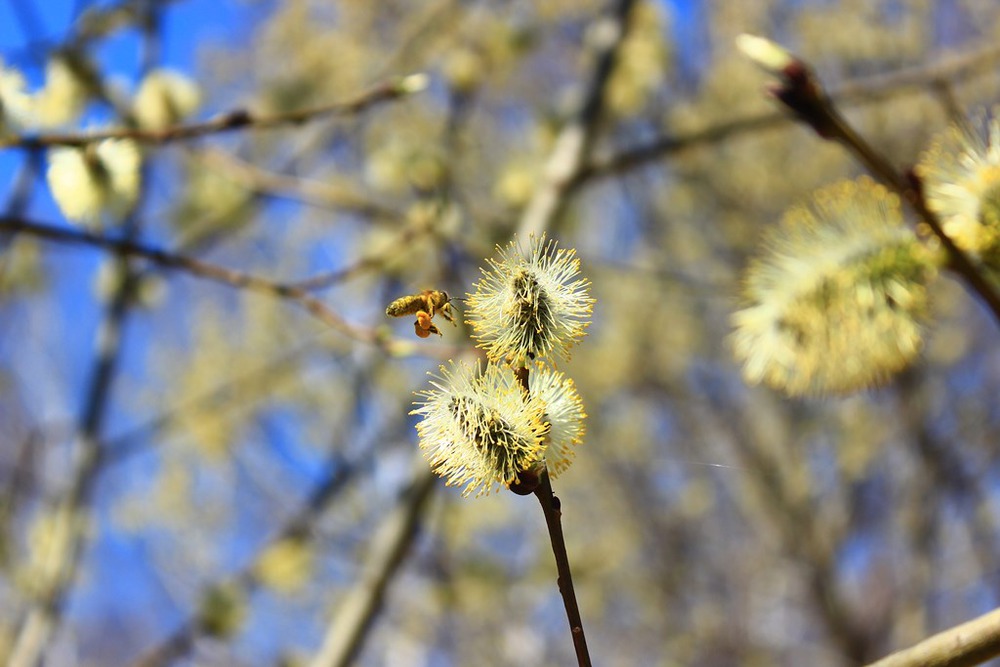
(835, 300)
(95, 180)
(837, 297)
(480, 427)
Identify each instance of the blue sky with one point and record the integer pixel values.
(186, 25)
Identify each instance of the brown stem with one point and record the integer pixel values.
(552, 510)
(521, 374)
(553, 515)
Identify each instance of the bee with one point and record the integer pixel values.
(425, 306)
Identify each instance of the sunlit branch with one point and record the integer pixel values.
(238, 119)
(971, 643)
(389, 546)
(573, 144)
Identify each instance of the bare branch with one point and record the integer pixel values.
(552, 509)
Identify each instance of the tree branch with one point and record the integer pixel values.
(552, 510)
(233, 120)
(971, 643)
(215, 273)
(863, 91)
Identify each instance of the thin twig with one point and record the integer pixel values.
(552, 510)
(209, 271)
(541, 486)
(369, 262)
(233, 120)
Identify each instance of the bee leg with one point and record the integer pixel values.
(424, 320)
(422, 333)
